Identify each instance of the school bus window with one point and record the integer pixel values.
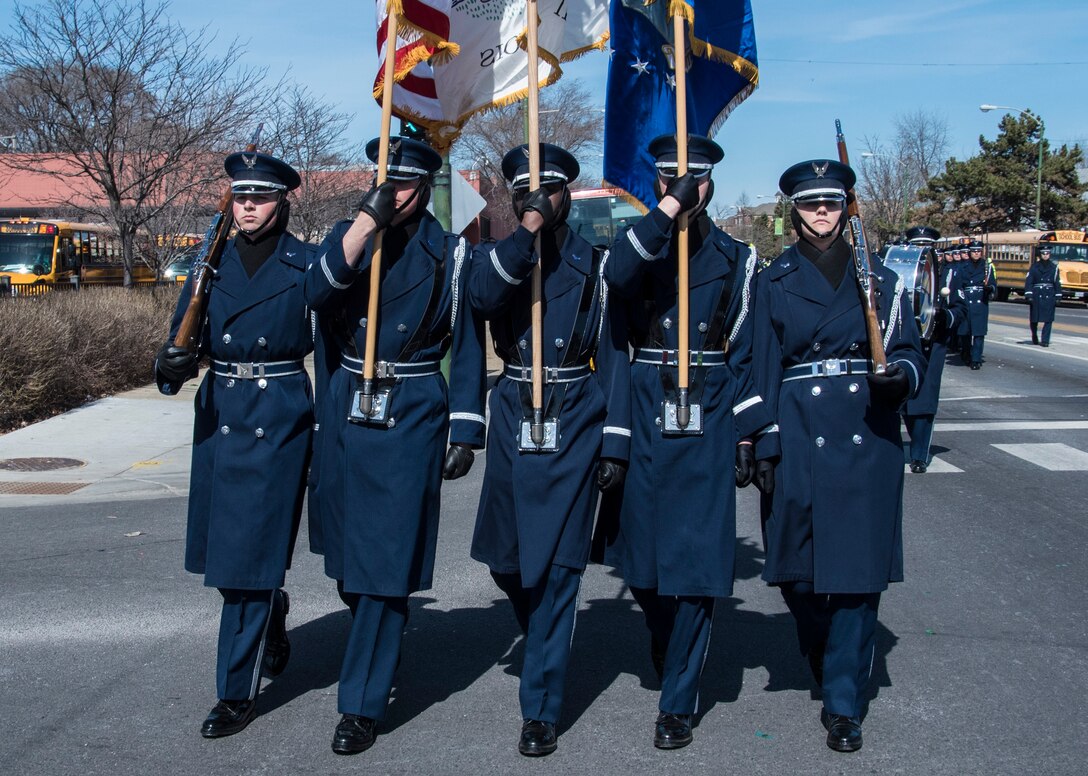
(26, 253)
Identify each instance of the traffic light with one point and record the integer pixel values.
(413, 130)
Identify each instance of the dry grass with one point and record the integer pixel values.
(63, 350)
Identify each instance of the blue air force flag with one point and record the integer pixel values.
(641, 97)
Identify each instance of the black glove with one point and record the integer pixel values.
(610, 474)
(746, 464)
(891, 387)
(176, 364)
(990, 293)
(684, 190)
(458, 461)
(764, 476)
(538, 200)
(380, 203)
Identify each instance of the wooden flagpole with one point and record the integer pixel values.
(536, 428)
(366, 399)
(683, 413)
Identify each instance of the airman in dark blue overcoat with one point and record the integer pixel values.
(1042, 289)
(672, 530)
(251, 438)
(381, 469)
(832, 524)
(535, 519)
(920, 411)
(975, 284)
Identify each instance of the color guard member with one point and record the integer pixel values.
(832, 526)
(251, 437)
(672, 531)
(535, 519)
(975, 284)
(1042, 289)
(380, 527)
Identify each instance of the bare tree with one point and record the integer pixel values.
(921, 139)
(310, 135)
(134, 102)
(568, 118)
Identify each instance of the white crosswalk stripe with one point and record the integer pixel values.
(1052, 456)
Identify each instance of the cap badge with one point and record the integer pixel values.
(249, 161)
(820, 169)
(394, 147)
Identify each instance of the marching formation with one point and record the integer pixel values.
(666, 384)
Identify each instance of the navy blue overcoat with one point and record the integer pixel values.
(251, 438)
(536, 509)
(1043, 289)
(677, 512)
(975, 284)
(835, 517)
(378, 517)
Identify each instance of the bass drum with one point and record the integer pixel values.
(917, 266)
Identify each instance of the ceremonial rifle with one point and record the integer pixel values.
(862, 267)
(206, 264)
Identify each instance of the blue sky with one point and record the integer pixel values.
(943, 56)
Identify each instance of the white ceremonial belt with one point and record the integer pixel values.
(249, 370)
(832, 367)
(392, 369)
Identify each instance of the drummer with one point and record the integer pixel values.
(919, 412)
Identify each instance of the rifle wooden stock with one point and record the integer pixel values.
(862, 266)
(206, 265)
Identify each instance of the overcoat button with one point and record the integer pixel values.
(853, 387)
(857, 439)
(657, 421)
(226, 339)
(523, 344)
(816, 347)
(703, 327)
(402, 327)
(262, 383)
(225, 430)
(667, 323)
(819, 441)
(230, 383)
(262, 342)
(259, 433)
(362, 323)
(815, 390)
(559, 343)
(853, 346)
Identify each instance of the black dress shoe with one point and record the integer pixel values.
(537, 738)
(843, 733)
(657, 657)
(918, 467)
(353, 734)
(976, 366)
(228, 717)
(277, 649)
(672, 731)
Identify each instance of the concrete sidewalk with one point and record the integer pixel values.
(136, 444)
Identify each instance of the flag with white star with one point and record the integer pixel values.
(640, 102)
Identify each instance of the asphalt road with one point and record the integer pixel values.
(107, 645)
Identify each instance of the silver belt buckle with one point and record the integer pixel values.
(832, 367)
(247, 372)
(383, 370)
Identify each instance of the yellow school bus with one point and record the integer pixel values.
(50, 251)
(1012, 253)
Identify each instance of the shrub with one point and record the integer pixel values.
(62, 350)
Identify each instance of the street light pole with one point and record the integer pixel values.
(1039, 173)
